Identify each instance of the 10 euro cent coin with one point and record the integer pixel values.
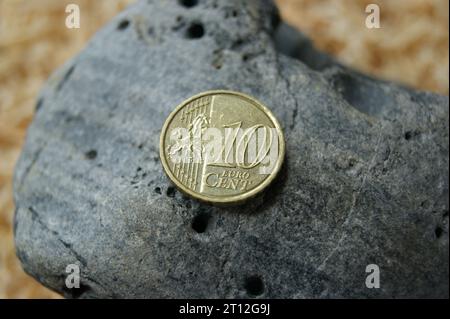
(222, 147)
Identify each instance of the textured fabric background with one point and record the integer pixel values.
(411, 47)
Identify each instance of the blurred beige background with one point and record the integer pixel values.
(411, 47)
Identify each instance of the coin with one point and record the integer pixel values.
(222, 147)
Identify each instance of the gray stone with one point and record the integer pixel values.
(365, 179)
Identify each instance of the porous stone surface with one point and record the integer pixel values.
(365, 179)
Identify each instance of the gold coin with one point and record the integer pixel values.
(221, 147)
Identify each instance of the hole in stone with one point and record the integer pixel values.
(410, 135)
(254, 286)
(195, 31)
(92, 154)
(438, 232)
(351, 162)
(188, 3)
(238, 43)
(158, 190)
(200, 222)
(170, 191)
(123, 25)
(425, 204)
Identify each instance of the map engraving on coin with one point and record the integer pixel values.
(221, 147)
